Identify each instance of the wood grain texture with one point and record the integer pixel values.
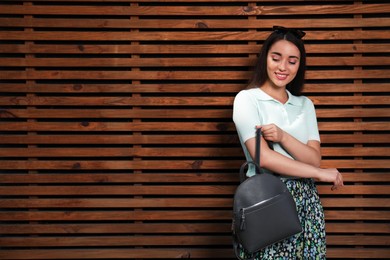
(116, 131)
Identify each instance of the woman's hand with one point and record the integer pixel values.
(331, 175)
(272, 133)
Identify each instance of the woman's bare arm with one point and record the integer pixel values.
(309, 153)
(281, 164)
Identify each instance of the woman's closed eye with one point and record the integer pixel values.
(275, 58)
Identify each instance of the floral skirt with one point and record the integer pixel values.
(309, 244)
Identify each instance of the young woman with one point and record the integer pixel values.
(288, 122)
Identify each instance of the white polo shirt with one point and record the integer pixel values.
(254, 107)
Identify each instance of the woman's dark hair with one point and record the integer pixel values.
(260, 75)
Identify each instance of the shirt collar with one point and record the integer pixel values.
(261, 95)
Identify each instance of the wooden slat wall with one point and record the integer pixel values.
(116, 132)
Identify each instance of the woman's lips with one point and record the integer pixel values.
(281, 76)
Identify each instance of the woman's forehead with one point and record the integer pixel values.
(285, 48)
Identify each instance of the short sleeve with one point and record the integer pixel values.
(245, 115)
(312, 125)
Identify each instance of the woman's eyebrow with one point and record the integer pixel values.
(279, 54)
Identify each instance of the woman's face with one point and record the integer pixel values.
(282, 63)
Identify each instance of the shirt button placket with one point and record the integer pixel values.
(285, 114)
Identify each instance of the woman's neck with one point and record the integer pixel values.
(279, 93)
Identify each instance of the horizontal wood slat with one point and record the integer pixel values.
(172, 126)
(116, 131)
(168, 139)
(167, 215)
(55, 178)
(187, 62)
(168, 190)
(166, 241)
(174, 113)
(174, 101)
(189, 24)
(183, 36)
(169, 253)
(164, 48)
(181, 88)
(168, 202)
(167, 228)
(179, 75)
(167, 164)
(168, 152)
(196, 10)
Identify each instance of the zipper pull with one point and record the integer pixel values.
(242, 225)
(233, 225)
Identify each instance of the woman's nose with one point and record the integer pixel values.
(282, 66)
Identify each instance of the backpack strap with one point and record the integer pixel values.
(257, 149)
(256, 162)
